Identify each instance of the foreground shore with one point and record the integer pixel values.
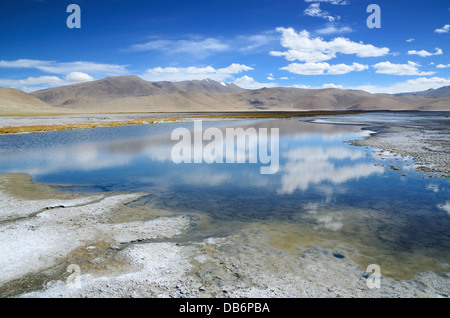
(117, 251)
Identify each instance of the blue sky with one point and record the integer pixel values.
(264, 43)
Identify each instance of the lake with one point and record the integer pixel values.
(326, 192)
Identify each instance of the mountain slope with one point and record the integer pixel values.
(104, 90)
(434, 93)
(14, 101)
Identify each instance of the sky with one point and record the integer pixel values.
(253, 44)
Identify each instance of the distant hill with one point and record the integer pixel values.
(434, 93)
(133, 94)
(118, 87)
(14, 101)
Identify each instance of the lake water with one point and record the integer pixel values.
(326, 191)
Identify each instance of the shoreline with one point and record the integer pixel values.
(427, 145)
(146, 257)
(16, 125)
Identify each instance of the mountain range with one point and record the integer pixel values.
(133, 94)
(438, 92)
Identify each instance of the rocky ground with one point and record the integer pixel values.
(66, 245)
(426, 141)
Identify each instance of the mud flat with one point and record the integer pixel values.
(113, 248)
(424, 138)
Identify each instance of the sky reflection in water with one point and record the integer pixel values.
(339, 191)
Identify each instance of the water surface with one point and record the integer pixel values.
(326, 191)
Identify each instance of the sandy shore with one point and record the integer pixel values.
(119, 250)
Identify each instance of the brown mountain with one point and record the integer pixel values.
(122, 87)
(14, 102)
(438, 92)
(133, 94)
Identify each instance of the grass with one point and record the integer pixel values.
(141, 121)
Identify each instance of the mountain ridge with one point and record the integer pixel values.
(443, 91)
(133, 94)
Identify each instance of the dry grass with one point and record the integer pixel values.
(140, 121)
(41, 128)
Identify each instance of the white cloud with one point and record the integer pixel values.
(323, 68)
(67, 67)
(314, 11)
(270, 77)
(194, 73)
(196, 47)
(251, 43)
(78, 77)
(331, 29)
(302, 47)
(250, 83)
(34, 83)
(201, 47)
(335, 2)
(234, 68)
(424, 53)
(301, 86)
(331, 85)
(412, 85)
(410, 40)
(284, 78)
(399, 69)
(444, 29)
(443, 65)
(41, 80)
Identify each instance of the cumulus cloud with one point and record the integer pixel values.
(302, 47)
(323, 68)
(78, 77)
(410, 40)
(424, 53)
(411, 68)
(250, 83)
(194, 73)
(444, 29)
(66, 67)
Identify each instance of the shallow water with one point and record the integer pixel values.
(326, 191)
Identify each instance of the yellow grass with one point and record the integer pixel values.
(140, 121)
